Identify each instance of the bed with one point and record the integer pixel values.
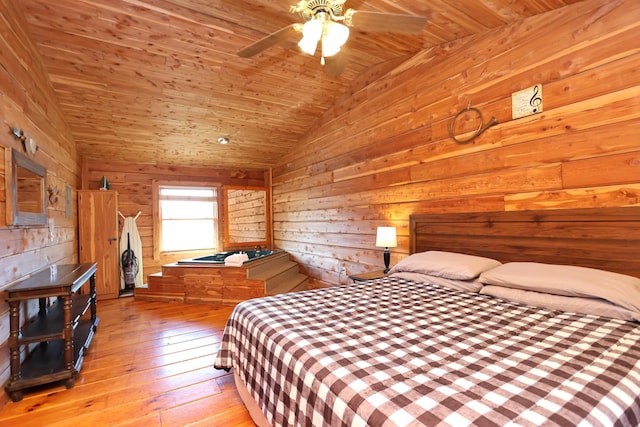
(507, 318)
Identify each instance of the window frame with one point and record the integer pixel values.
(158, 254)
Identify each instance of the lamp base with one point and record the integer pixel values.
(387, 260)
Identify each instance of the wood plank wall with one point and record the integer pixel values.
(246, 216)
(134, 184)
(384, 151)
(28, 102)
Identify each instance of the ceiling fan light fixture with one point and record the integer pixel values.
(329, 22)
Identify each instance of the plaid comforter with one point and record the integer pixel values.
(396, 353)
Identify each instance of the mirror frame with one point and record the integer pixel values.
(13, 161)
(244, 245)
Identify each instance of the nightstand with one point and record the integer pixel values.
(362, 277)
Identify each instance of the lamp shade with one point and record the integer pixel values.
(312, 29)
(335, 35)
(386, 237)
(329, 49)
(311, 34)
(308, 45)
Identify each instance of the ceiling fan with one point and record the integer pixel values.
(327, 23)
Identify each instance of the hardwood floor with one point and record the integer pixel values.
(150, 364)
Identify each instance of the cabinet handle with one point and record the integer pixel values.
(112, 239)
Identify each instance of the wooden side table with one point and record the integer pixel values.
(363, 277)
(62, 331)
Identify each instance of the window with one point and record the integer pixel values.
(188, 218)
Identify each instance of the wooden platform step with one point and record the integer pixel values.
(224, 285)
(289, 273)
(262, 270)
(296, 283)
(157, 290)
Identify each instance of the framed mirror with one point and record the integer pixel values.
(247, 217)
(26, 190)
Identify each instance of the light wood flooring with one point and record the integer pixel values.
(150, 364)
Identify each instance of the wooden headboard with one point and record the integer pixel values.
(604, 238)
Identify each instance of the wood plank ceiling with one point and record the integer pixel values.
(159, 81)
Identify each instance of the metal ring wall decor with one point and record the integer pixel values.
(478, 131)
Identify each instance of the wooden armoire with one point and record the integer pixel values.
(98, 237)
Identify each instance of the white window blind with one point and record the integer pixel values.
(188, 218)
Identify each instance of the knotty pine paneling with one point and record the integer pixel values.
(134, 184)
(28, 102)
(246, 216)
(147, 76)
(384, 152)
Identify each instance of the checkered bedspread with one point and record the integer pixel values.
(398, 353)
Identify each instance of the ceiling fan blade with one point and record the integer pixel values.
(271, 40)
(386, 22)
(334, 65)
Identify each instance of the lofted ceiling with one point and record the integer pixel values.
(159, 81)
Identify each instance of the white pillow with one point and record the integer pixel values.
(593, 306)
(567, 280)
(473, 285)
(450, 265)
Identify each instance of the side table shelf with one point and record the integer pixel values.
(49, 325)
(59, 335)
(363, 277)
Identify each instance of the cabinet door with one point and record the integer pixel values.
(98, 235)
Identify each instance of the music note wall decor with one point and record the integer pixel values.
(527, 102)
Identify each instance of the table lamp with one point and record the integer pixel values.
(386, 238)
